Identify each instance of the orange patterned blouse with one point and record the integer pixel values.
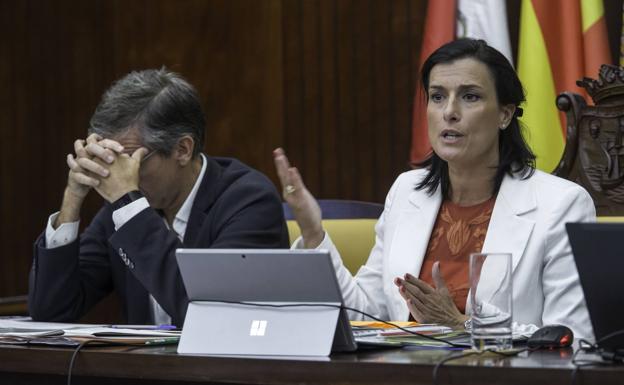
(458, 232)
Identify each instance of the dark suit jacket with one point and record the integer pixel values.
(235, 207)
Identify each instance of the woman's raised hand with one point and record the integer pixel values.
(303, 205)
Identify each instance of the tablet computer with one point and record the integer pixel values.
(262, 302)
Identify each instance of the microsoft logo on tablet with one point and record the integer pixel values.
(258, 328)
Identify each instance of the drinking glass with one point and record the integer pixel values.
(491, 301)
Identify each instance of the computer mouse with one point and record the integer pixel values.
(551, 337)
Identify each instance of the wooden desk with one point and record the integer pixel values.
(162, 365)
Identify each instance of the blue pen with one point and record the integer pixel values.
(166, 327)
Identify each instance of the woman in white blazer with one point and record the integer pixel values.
(479, 155)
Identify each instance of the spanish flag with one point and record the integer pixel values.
(561, 41)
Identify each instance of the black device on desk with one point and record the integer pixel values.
(598, 250)
(551, 337)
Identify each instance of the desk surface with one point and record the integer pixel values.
(162, 365)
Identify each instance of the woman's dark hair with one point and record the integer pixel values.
(515, 155)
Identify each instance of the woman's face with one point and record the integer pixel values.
(464, 115)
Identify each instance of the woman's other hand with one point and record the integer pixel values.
(428, 304)
(303, 205)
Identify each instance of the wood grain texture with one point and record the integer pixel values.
(349, 78)
(161, 365)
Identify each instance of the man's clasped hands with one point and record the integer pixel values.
(104, 165)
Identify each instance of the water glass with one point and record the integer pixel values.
(491, 301)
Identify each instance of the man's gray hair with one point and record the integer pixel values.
(161, 104)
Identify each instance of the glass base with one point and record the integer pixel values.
(492, 339)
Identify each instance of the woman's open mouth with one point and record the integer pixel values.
(451, 135)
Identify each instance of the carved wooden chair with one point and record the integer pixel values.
(594, 152)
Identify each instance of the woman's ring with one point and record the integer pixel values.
(289, 189)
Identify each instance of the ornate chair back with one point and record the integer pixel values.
(594, 152)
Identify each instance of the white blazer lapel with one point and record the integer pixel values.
(508, 231)
(409, 242)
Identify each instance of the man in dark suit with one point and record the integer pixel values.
(143, 157)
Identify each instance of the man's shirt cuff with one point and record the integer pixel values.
(298, 243)
(124, 214)
(65, 234)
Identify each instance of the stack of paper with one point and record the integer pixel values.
(379, 334)
(49, 333)
(124, 336)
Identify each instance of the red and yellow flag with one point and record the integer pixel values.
(561, 41)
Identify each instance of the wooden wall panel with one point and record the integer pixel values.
(331, 81)
(349, 79)
(48, 93)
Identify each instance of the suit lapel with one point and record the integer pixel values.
(413, 231)
(205, 198)
(409, 242)
(509, 230)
